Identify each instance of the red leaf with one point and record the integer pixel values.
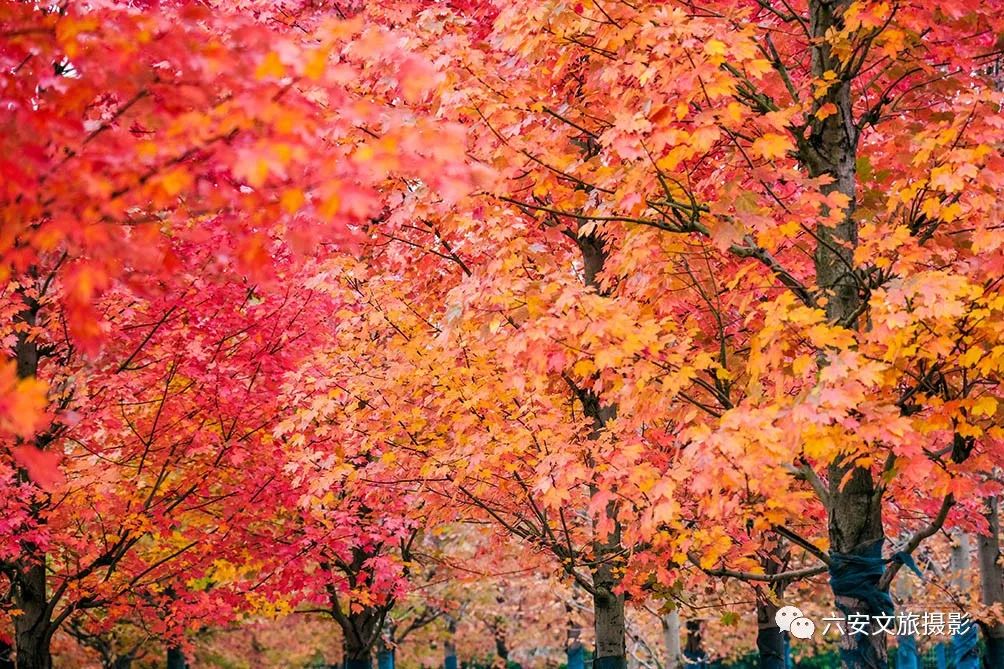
(42, 466)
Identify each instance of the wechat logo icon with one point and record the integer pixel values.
(790, 619)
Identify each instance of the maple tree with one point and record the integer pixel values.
(770, 200)
(142, 230)
(691, 302)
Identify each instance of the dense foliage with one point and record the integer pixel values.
(480, 327)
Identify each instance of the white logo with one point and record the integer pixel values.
(802, 628)
(790, 619)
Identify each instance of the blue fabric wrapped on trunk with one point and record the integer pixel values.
(966, 648)
(856, 575)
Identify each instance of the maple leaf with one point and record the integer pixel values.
(42, 466)
(771, 146)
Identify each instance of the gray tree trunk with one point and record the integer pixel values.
(671, 639)
(992, 584)
(608, 606)
(608, 609)
(855, 502)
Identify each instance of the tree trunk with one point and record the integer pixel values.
(671, 639)
(575, 652)
(176, 658)
(992, 583)
(360, 629)
(501, 646)
(907, 655)
(385, 658)
(964, 646)
(32, 628)
(608, 611)
(363, 661)
(450, 646)
(856, 534)
(608, 607)
(770, 641)
(361, 632)
(694, 653)
(357, 658)
(855, 503)
(122, 662)
(6, 655)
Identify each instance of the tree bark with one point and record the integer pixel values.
(855, 502)
(360, 634)
(608, 610)
(357, 658)
(176, 658)
(907, 655)
(608, 606)
(671, 639)
(501, 647)
(964, 646)
(856, 529)
(32, 628)
(770, 642)
(992, 584)
(450, 646)
(361, 628)
(363, 661)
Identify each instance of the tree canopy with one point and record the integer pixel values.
(489, 328)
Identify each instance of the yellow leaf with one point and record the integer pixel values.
(175, 181)
(714, 47)
(801, 364)
(270, 67)
(971, 356)
(316, 64)
(771, 146)
(584, 367)
(363, 153)
(147, 149)
(330, 206)
(257, 173)
(292, 200)
(985, 406)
